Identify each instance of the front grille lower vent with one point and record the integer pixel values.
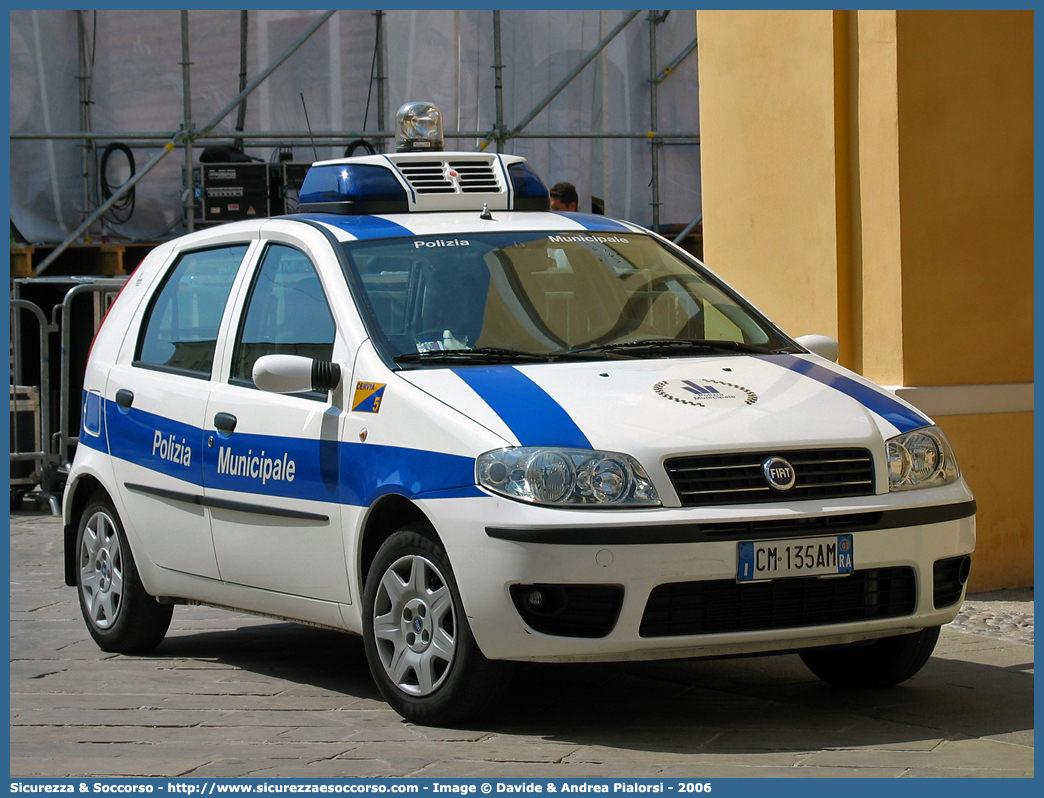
(738, 479)
(571, 610)
(949, 577)
(438, 177)
(778, 527)
(723, 606)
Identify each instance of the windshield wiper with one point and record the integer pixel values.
(667, 345)
(485, 354)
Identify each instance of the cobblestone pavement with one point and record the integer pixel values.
(229, 695)
(1006, 614)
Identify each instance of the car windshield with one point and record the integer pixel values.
(544, 296)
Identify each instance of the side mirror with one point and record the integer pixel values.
(822, 345)
(295, 374)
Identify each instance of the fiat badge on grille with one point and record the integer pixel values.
(779, 474)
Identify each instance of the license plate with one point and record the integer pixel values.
(774, 559)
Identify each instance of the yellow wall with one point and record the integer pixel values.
(1001, 477)
(780, 250)
(869, 175)
(966, 194)
(875, 219)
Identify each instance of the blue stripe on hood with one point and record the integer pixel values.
(899, 415)
(532, 415)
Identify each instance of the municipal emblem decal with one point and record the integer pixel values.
(705, 393)
(368, 396)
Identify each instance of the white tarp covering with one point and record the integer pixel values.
(446, 57)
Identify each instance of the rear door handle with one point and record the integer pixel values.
(226, 422)
(124, 398)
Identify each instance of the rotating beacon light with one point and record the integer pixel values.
(418, 126)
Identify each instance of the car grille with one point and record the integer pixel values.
(438, 177)
(722, 606)
(737, 478)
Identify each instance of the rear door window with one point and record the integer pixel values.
(179, 333)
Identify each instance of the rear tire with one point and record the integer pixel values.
(119, 614)
(419, 646)
(883, 663)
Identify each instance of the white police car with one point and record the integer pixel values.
(429, 411)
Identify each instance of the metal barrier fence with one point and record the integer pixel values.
(40, 457)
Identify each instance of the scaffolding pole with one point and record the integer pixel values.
(85, 107)
(188, 205)
(654, 20)
(498, 81)
(674, 64)
(689, 228)
(177, 139)
(244, 28)
(587, 59)
(381, 78)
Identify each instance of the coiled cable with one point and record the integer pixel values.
(121, 210)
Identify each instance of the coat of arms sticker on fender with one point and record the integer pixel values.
(368, 397)
(705, 393)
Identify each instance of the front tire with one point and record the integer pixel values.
(419, 646)
(119, 614)
(883, 663)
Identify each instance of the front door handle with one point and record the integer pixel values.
(124, 398)
(226, 422)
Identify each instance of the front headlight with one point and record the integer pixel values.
(921, 459)
(554, 475)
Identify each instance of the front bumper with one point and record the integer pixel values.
(495, 544)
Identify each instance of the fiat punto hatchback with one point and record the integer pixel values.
(429, 411)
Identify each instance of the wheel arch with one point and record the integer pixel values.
(385, 518)
(79, 494)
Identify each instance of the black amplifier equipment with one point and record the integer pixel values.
(234, 191)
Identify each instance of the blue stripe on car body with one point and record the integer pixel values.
(153, 441)
(534, 417)
(325, 471)
(98, 443)
(369, 471)
(899, 415)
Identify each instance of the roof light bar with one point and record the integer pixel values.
(530, 192)
(352, 188)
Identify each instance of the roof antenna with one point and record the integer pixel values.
(485, 211)
(309, 127)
